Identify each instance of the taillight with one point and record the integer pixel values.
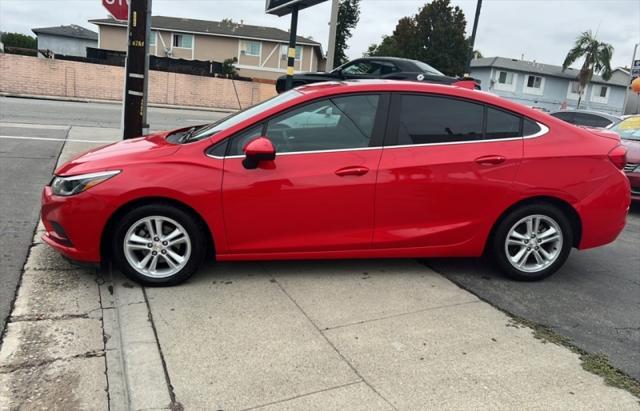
(618, 156)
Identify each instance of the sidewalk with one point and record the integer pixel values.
(353, 335)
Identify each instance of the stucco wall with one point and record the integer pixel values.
(266, 66)
(65, 45)
(34, 76)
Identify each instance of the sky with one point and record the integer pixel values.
(540, 30)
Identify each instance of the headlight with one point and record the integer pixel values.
(637, 169)
(68, 186)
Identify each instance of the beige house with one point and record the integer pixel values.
(261, 51)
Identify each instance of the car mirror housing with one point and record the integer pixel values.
(256, 150)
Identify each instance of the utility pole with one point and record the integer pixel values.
(291, 60)
(333, 28)
(135, 72)
(473, 38)
(626, 89)
(145, 101)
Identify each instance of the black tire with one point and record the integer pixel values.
(499, 250)
(194, 234)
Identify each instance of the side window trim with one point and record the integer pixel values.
(393, 122)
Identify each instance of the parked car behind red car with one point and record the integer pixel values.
(629, 131)
(373, 169)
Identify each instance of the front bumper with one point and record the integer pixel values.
(74, 225)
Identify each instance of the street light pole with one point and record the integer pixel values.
(473, 38)
(291, 61)
(333, 28)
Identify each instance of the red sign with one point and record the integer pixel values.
(119, 9)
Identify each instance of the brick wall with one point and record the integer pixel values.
(59, 78)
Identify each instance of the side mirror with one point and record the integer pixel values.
(256, 150)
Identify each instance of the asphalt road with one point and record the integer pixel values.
(32, 111)
(594, 299)
(26, 165)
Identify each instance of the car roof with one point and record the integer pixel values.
(329, 88)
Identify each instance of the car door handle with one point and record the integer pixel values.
(352, 171)
(490, 160)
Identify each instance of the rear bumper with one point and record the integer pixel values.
(603, 214)
(73, 225)
(634, 181)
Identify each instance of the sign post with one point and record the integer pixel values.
(284, 7)
(134, 104)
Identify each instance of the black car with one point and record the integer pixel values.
(390, 68)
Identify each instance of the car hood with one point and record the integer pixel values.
(115, 155)
(633, 150)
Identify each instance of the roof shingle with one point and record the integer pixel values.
(215, 28)
(73, 31)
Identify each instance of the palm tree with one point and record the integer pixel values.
(597, 58)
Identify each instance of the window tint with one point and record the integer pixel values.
(240, 140)
(564, 115)
(219, 150)
(530, 127)
(331, 124)
(428, 119)
(501, 124)
(591, 120)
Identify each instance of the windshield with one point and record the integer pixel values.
(628, 128)
(240, 116)
(427, 68)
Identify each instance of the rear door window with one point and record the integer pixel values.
(434, 119)
(501, 124)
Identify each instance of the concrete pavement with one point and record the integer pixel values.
(388, 334)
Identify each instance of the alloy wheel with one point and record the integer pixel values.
(157, 246)
(534, 243)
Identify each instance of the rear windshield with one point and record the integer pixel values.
(629, 128)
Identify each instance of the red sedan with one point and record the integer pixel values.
(373, 169)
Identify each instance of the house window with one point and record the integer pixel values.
(505, 77)
(152, 39)
(250, 48)
(284, 52)
(533, 85)
(534, 82)
(505, 80)
(183, 41)
(573, 92)
(599, 94)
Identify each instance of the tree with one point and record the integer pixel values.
(228, 68)
(348, 17)
(436, 35)
(19, 40)
(597, 59)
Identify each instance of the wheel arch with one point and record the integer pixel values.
(109, 228)
(564, 206)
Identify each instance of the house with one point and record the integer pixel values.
(71, 40)
(261, 52)
(633, 99)
(546, 86)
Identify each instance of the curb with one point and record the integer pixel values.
(118, 102)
